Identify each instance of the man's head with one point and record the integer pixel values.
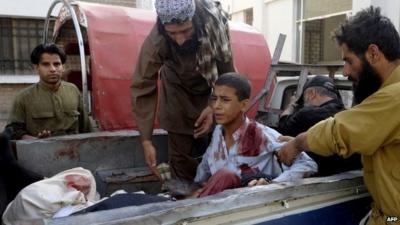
(317, 91)
(230, 98)
(176, 21)
(48, 60)
(368, 42)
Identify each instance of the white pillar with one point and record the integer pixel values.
(258, 13)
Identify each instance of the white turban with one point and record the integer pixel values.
(175, 10)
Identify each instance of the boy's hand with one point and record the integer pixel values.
(257, 182)
(28, 137)
(204, 123)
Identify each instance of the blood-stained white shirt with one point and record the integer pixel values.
(252, 151)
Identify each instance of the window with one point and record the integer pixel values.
(6, 50)
(316, 19)
(313, 41)
(316, 8)
(248, 16)
(17, 39)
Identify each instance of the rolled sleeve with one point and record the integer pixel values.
(362, 129)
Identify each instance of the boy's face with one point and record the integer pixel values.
(226, 105)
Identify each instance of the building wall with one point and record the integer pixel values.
(270, 17)
(38, 8)
(236, 9)
(233, 6)
(279, 17)
(237, 16)
(24, 8)
(127, 3)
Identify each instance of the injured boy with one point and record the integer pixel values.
(242, 151)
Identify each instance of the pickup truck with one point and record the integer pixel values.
(102, 43)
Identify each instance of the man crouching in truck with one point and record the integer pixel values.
(370, 48)
(242, 151)
(50, 107)
(189, 47)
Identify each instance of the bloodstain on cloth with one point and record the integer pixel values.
(246, 169)
(80, 183)
(251, 140)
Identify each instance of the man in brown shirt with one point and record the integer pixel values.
(189, 48)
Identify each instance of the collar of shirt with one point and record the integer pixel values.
(394, 77)
(47, 88)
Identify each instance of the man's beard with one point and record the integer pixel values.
(188, 47)
(368, 82)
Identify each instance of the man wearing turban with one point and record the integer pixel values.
(187, 49)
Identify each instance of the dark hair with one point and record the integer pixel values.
(236, 81)
(369, 27)
(47, 48)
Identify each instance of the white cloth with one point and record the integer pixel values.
(43, 199)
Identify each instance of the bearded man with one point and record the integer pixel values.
(370, 47)
(187, 49)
